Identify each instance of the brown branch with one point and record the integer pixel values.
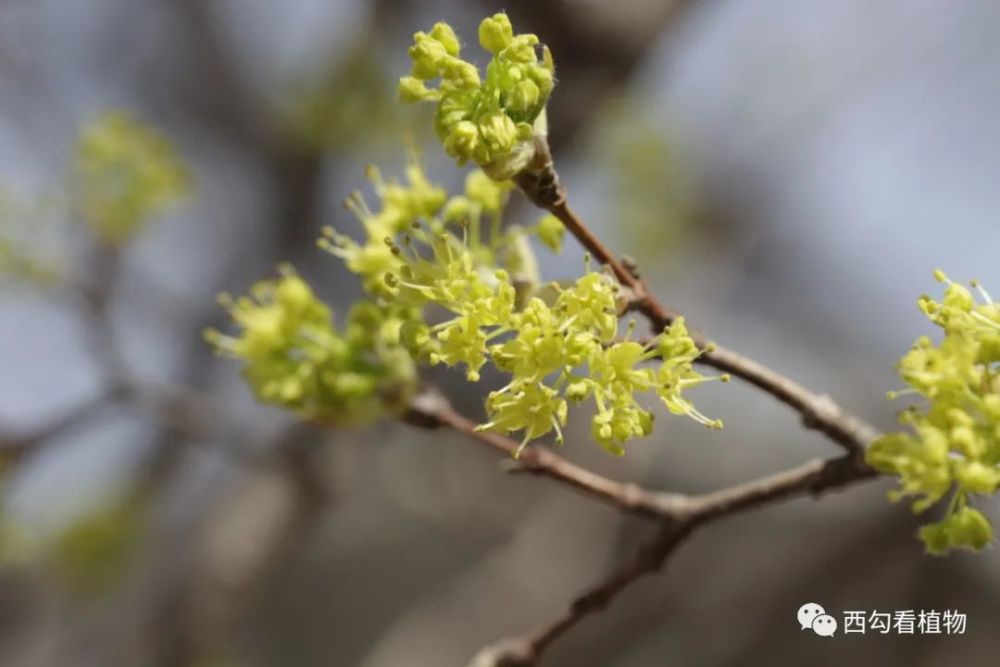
(689, 513)
(678, 515)
(540, 184)
(431, 410)
(14, 448)
(814, 477)
(526, 651)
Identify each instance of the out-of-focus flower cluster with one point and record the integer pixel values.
(124, 173)
(952, 444)
(491, 120)
(30, 236)
(295, 358)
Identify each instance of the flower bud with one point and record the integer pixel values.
(976, 477)
(496, 33)
(412, 89)
(462, 141)
(426, 54)
(551, 232)
(499, 132)
(445, 35)
(525, 96)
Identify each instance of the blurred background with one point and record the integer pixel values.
(786, 174)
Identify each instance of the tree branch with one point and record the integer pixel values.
(677, 515)
(14, 448)
(540, 184)
(687, 514)
(431, 410)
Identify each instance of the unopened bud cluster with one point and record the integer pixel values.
(487, 120)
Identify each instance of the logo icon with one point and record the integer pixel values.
(814, 617)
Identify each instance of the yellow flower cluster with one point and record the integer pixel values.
(557, 351)
(294, 357)
(953, 443)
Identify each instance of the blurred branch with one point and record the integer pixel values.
(599, 44)
(527, 650)
(96, 293)
(688, 513)
(95, 298)
(14, 448)
(274, 518)
(200, 417)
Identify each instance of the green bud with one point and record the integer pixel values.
(525, 96)
(445, 35)
(457, 209)
(412, 89)
(463, 141)
(976, 477)
(499, 132)
(521, 49)
(426, 54)
(550, 232)
(496, 33)
(460, 73)
(485, 191)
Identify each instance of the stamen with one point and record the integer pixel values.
(985, 320)
(978, 286)
(559, 433)
(896, 393)
(524, 443)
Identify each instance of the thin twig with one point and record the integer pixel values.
(819, 412)
(540, 184)
(527, 650)
(17, 447)
(813, 477)
(689, 513)
(677, 515)
(431, 410)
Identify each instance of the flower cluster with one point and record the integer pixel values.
(124, 173)
(451, 284)
(294, 357)
(557, 351)
(31, 239)
(488, 121)
(953, 444)
(414, 205)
